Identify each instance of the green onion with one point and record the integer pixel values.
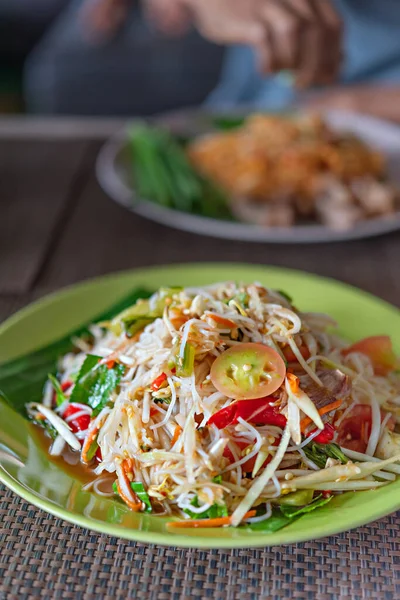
(163, 174)
(138, 488)
(162, 400)
(319, 453)
(185, 364)
(299, 498)
(60, 396)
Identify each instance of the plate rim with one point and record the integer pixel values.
(119, 192)
(163, 538)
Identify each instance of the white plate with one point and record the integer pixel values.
(114, 174)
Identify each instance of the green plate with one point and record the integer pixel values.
(25, 468)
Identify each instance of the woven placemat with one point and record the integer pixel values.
(45, 557)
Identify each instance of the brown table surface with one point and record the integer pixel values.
(57, 227)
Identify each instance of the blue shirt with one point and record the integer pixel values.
(371, 49)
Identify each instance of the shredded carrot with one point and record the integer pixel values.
(110, 364)
(219, 522)
(222, 321)
(87, 445)
(177, 322)
(322, 411)
(127, 465)
(90, 438)
(294, 382)
(177, 433)
(135, 506)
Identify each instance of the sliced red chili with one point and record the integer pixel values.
(158, 382)
(256, 411)
(325, 436)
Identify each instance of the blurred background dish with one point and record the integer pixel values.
(272, 179)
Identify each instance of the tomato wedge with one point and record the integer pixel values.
(290, 355)
(256, 411)
(354, 431)
(380, 351)
(80, 423)
(248, 371)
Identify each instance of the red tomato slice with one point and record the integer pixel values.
(248, 371)
(354, 431)
(66, 385)
(256, 411)
(290, 355)
(79, 424)
(380, 351)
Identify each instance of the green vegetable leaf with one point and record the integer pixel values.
(225, 123)
(276, 521)
(299, 498)
(185, 364)
(133, 326)
(95, 383)
(88, 364)
(60, 396)
(162, 400)
(285, 514)
(138, 488)
(295, 511)
(319, 453)
(214, 512)
(22, 379)
(217, 479)
(141, 493)
(44, 424)
(162, 173)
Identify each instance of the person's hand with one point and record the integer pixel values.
(101, 20)
(303, 36)
(169, 16)
(381, 101)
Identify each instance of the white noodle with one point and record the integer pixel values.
(62, 428)
(133, 426)
(263, 517)
(375, 427)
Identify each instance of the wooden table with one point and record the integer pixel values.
(57, 227)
